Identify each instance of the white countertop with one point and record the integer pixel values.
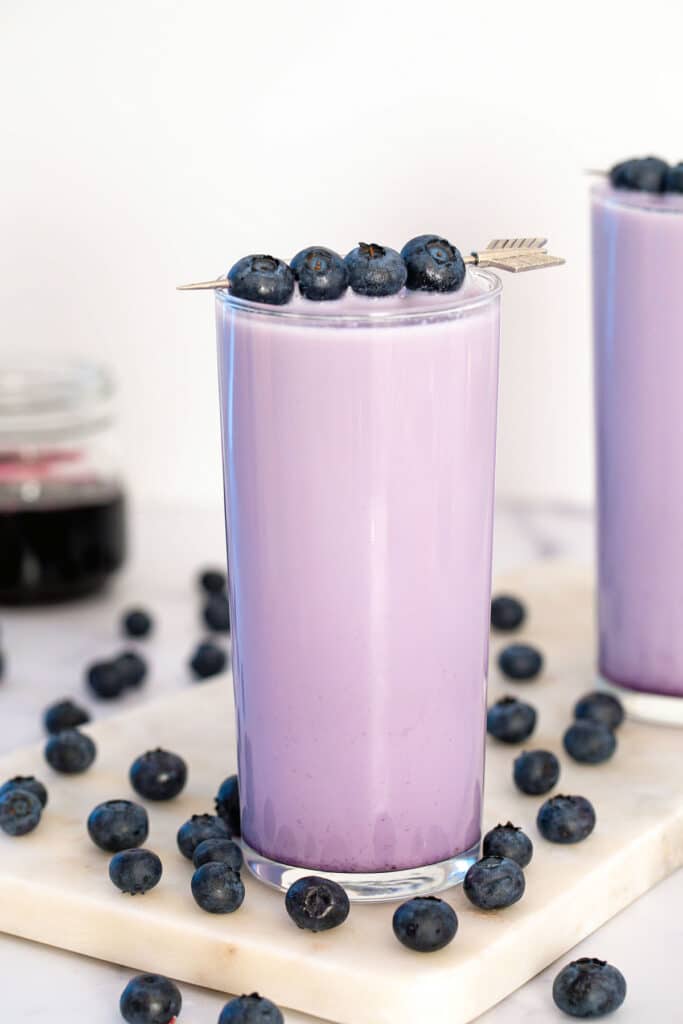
(47, 651)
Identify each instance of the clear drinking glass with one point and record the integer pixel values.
(638, 331)
(359, 451)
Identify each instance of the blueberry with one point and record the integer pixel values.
(374, 270)
(217, 613)
(228, 804)
(70, 752)
(507, 613)
(433, 264)
(425, 924)
(29, 783)
(566, 819)
(674, 178)
(520, 661)
(132, 668)
(218, 851)
(118, 825)
(217, 888)
(589, 742)
(316, 904)
(106, 680)
(511, 720)
(198, 828)
(208, 660)
(321, 273)
(589, 988)
(253, 1009)
(536, 771)
(65, 714)
(493, 883)
(135, 871)
(20, 811)
(600, 707)
(508, 841)
(213, 581)
(136, 623)
(261, 279)
(158, 775)
(150, 999)
(646, 174)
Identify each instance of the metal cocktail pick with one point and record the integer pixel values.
(513, 254)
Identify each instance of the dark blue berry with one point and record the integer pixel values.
(106, 680)
(213, 581)
(536, 771)
(600, 707)
(520, 661)
(589, 988)
(433, 264)
(208, 660)
(644, 174)
(321, 273)
(217, 888)
(218, 851)
(135, 871)
(425, 924)
(198, 828)
(158, 775)
(150, 999)
(118, 825)
(566, 819)
(228, 804)
(589, 742)
(29, 783)
(132, 668)
(261, 279)
(137, 623)
(374, 270)
(65, 714)
(217, 613)
(20, 811)
(253, 1009)
(674, 179)
(316, 904)
(508, 841)
(493, 883)
(511, 720)
(507, 613)
(70, 752)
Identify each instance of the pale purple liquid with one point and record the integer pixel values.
(638, 328)
(359, 470)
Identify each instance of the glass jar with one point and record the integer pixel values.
(62, 507)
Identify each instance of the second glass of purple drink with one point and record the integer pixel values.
(359, 451)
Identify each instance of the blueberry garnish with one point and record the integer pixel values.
(158, 774)
(198, 828)
(375, 270)
(218, 851)
(106, 680)
(507, 612)
(536, 771)
(217, 613)
(589, 742)
(261, 279)
(493, 883)
(321, 273)
(135, 871)
(316, 904)
(208, 660)
(674, 179)
(228, 804)
(510, 720)
(433, 264)
(566, 819)
(118, 825)
(20, 811)
(644, 174)
(70, 752)
(589, 988)
(425, 924)
(217, 888)
(213, 581)
(131, 667)
(29, 783)
(520, 661)
(65, 714)
(137, 623)
(150, 999)
(600, 707)
(508, 841)
(253, 1009)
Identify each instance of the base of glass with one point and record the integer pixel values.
(657, 708)
(368, 887)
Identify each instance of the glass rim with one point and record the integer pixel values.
(318, 314)
(637, 199)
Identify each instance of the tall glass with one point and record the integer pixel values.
(638, 330)
(359, 449)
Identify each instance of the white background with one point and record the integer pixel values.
(145, 143)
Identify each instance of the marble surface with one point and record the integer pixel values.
(76, 988)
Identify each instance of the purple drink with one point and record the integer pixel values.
(638, 327)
